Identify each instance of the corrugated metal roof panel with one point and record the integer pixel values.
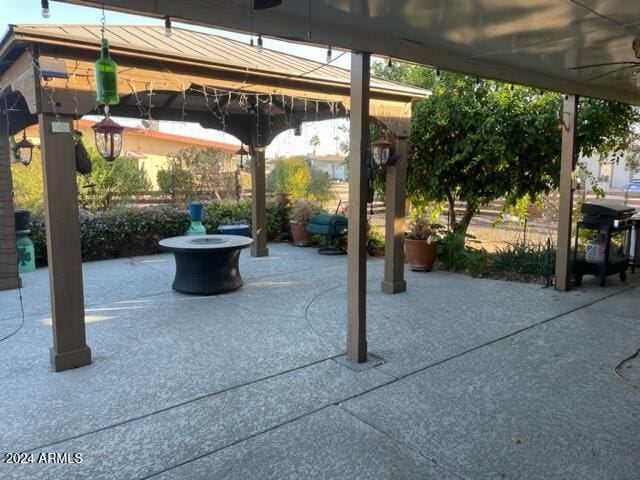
(214, 49)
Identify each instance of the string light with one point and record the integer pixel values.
(329, 54)
(259, 46)
(167, 26)
(45, 9)
(476, 84)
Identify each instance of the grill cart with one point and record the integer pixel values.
(601, 238)
(634, 244)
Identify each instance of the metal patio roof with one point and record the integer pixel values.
(533, 42)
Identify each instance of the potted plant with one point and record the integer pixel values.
(301, 213)
(421, 244)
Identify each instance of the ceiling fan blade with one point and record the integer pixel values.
(264, 4)
(608, 64)
(610, 72)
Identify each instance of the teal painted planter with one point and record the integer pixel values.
(195, 211)
(24, 245)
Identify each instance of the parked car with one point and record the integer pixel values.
(634, 186)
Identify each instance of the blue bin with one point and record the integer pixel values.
(242, 230)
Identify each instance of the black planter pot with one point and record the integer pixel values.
(23, 219)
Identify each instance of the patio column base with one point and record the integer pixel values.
(68, 360)
(394, 287)
(259, 252)
(10, 283)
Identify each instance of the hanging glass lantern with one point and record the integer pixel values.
(25, 150)
(381, 150)
(241, 154)
(108, 138)
(106, 72)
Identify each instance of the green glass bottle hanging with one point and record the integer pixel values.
(106, 77)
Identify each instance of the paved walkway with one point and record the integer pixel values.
(479, 379)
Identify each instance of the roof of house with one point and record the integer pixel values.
(197, 142)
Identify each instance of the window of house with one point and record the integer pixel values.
(604, 172)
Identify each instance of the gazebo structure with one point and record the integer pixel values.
(46, 77)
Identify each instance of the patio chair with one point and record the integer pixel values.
(331, 227)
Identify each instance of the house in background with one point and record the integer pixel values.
(332, 165)
(609, 175)
(148, 147)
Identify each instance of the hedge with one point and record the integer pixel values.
(131, 231)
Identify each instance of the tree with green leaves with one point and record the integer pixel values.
(195, 173)
(480, 142)
(294, 175)
(315, 143)
(121, 178)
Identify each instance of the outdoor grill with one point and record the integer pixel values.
(602, 241)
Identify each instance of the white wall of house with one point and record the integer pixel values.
(610, 176)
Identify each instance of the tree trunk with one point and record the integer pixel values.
(453, 221)
(466, 218)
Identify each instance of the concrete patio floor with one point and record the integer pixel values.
(479, 378)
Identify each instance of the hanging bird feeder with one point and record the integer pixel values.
(108, 138)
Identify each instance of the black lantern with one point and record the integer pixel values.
(241, 154)
(381, 151)
(25, 150)
(108, 138)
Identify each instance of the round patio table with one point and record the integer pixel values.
(206, 264)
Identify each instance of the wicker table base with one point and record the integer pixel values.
(207, 264)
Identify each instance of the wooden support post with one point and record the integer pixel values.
(63, 243)
(568, 158)
(258, 203)
(357, 236)
(9, 278)
(394, 281)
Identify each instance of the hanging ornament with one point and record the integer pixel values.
(329, 54)
(167, 26)
(108, 135)
(437, 76)
(25, 149)
(106, 72)
(45, 9)
(83, 162)
(259, 47)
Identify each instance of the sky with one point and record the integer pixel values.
(29, 11)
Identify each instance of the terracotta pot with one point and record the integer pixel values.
(420, 255)
(283, 199)
(299, 234)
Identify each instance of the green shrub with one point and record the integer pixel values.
(295, 176)
(226, 212)
(525, 258)
(120, 232)
(455, 254)
(375, 241)
(131, 231)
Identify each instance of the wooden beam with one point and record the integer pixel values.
(63, 243)
(394, 281)
(567, 164)
(357, 236)
(9, 277)
(258, 203)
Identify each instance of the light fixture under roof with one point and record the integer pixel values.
(264, 4)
